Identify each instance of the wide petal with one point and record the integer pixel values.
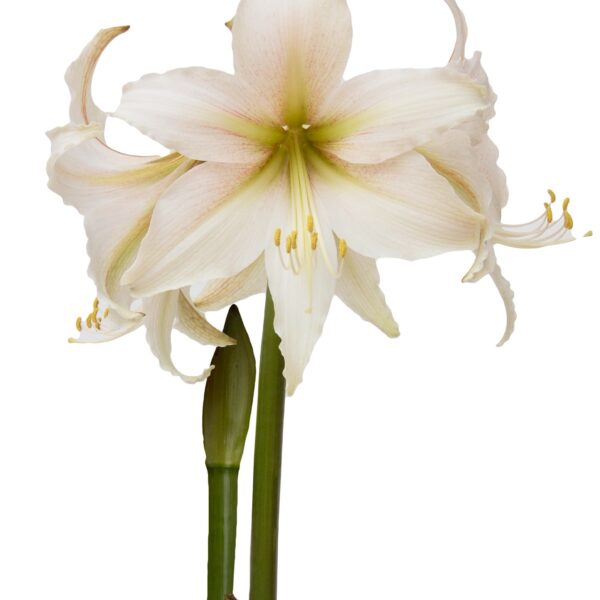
(220, 293)
(401, 208)
(302, 291)
(211, 224)
(116, 193)
(383, 114)
(204, 114)
(358, 287)
(294, 52)
(161, 312)
(79, 78)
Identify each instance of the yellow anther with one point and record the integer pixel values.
(552, 196)
(314, 240)
(277, 237)
(589, 234)
(78, 324)
(549, 215)
(566, 203)
(310, 223)
(569, 224)
(88, 321)
(106, 312)
(288, 244)
(294, 236)
(96, 303)
(343, 248)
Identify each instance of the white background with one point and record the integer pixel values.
(431, 467)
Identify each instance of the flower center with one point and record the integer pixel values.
(303, 244)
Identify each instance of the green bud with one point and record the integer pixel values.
(228, 397)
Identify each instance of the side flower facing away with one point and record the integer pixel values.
(467, 158)
(312, 176)
(116, 194)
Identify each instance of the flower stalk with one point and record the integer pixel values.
(267, 463)
(226, 420)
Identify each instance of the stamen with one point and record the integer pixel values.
(294, 236)
(106, 312)
(589, 234)
(78, 324)
(310, 224)
(549, 215)
(343, 248)
(552, 196)
(277, 238)
(96, 303)
(88, 321)
(288, 244)
(314, 240)
(569, 224)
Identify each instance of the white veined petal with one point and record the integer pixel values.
(202, 113)
(358, 287)
(79, 78)
(211, 224)
(116, 194)
(161, 312)
(294, 52)
(302, 299)
(508, 297)
(220, 293)
(383, 114)
(401, 208)
(192, 323)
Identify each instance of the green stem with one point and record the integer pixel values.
(267, 463)
(222, 519)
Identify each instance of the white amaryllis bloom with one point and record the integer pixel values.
(116, 193)
(467, 158)
(307, 173)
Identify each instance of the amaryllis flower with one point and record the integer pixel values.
(116, 193)
(309, 174)
(467, 158)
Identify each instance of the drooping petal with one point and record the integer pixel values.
(202, 113)
(401, 208)
(294, 52)
(383, 114)
(193, 323)
(116, 193)
(211, 224)
(161, 312)
(462, 32)
(508, 297)
(79, 78)
(302, 291)
(358, 287)
(219, 293)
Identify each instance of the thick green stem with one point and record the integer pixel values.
(222, 519)
(267, 463)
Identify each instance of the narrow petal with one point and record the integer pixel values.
(220, 293)
(301, 294)
(161, 312)
(204, 114)
(508, 297)
(193, 323)
(401, 208)
(211, 224)
(116, 194)
(358, 288)
(462, 32)
(294, 52)
(79, 78)
(383, 114)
